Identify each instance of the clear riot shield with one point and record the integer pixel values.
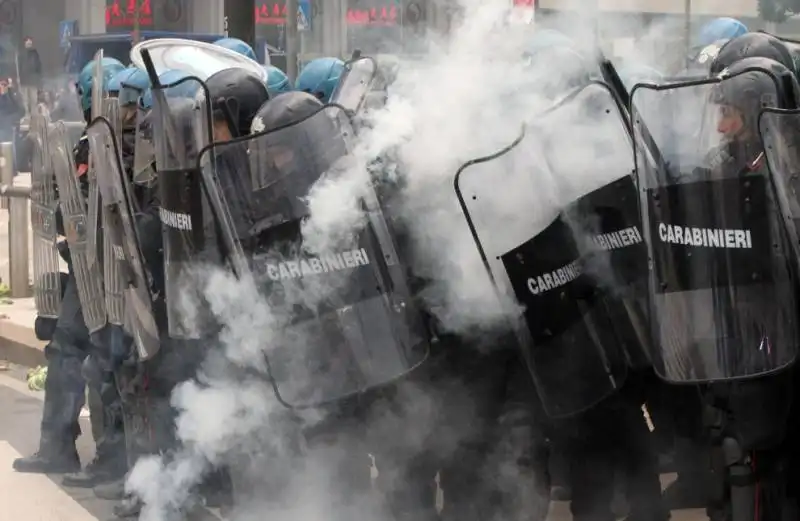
(345, 318)
(602, 204)
(119, 225)
(46, 260)
(111, 231)
(94, 216)
(355, 83)
(190, 240)
(198, 59)
(144, 154)
(73, 209)
(97, 85)
(539, 264)
(779, 131)
(722, 265)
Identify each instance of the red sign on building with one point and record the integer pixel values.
(122, 13)
(273, 12)
(385, 15)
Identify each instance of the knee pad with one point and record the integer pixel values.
(44, 327)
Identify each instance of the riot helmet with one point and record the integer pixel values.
(319, 77)
(235, 95)
(700, 63)
(186, 89)
(749, 86)
(83, 86)
(720, 29)
(277, 80)
(130, 84)
(295, 142)
(794, 50)
(752, 45)
(238, 46)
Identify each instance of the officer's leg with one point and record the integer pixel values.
(640, 463)
(747, 441)
(404, 467)
(591, 461)
(474, 404)
(64, 390)
(691, 450)
(519, 462)
(558, 465)
(110, 462)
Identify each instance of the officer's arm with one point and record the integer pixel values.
(81, 154)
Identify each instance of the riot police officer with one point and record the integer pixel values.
(277, 81)
(710, 38)
(319, 77)
(70, 345)
(238, 46)
(738, 349)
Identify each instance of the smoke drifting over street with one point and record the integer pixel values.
(470, 95)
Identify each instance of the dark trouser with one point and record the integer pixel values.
(99, 372)
(749, 456)
(597, 443)
(146, 389)
(467, 416)
(65, 385)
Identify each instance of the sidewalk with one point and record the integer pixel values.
(18, 343)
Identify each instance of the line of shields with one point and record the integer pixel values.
(626, 230)
(44, 207)
(344, 318)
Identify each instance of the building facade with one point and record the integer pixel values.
(333, 26)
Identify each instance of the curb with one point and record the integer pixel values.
(19, 345)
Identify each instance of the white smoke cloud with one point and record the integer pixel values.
(467, 96)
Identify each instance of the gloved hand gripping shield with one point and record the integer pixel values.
(120, 225)
(88, 276)
(355, 83)
(723, 263)
(44, 203)
(555, 271)
(345, 321)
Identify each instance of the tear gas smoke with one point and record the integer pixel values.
(466, 97)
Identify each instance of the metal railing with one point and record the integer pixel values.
(15, 199)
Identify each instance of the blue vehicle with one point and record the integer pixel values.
(82, 48)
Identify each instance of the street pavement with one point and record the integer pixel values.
(30, 497)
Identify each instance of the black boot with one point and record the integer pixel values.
(111, 460)
(49, 462)
(100, 470)
(53, 457)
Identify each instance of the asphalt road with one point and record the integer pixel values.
(31, 497)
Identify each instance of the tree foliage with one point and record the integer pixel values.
(777, 11)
